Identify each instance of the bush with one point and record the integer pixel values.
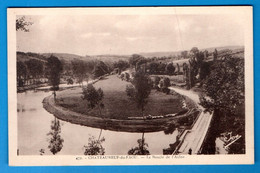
(157, 88)
(122, 76)
(156, 81)
(127, 76)
(166, 90)
(170, 69)
(70, 81)
(166, 82)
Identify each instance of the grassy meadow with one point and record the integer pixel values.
(117, 103)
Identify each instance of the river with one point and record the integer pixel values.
(34, 122)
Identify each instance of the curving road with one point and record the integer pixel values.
(193, 139)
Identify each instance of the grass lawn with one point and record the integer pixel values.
(117, 103)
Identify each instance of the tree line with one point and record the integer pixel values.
(29, 72)
(34, 68)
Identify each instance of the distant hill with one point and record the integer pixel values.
(233, 48)
(21, 56)
(111, 58)
(176, 53)
(159, 54)
(67, 57)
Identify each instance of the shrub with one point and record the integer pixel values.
(70, 81)
(166, 90)
(122, 76)
(127, 76)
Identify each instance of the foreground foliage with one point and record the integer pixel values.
(55, 142)
(94, 146)
(225, 95)
(141, 149)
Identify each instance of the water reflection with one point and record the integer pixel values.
(94, 146)
(141, 149)
(55, 141)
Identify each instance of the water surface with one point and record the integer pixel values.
(34, 122)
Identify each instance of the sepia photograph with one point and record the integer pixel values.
(130, 86)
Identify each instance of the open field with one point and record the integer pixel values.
(117, 104)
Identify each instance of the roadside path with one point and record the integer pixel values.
(193, 139)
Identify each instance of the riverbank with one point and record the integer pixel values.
(151, 125)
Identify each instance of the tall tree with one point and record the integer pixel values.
(186, 69)
(54, 68)
(80, 70)
(94, 97)
(140, 90)
(215, 55)
(195, 64)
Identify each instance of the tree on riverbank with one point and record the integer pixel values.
(21, 73)
(55, 142)
(54, 69)
(140, 90)
(35, 69)
(94, 146)
(94, 97)
(81, 70)
(141, 149)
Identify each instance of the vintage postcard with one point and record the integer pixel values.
(130, 86)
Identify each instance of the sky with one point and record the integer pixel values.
(128, 34)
